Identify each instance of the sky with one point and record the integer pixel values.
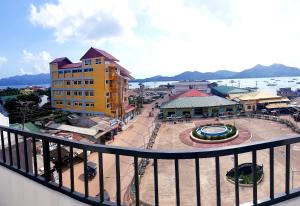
(150, 37)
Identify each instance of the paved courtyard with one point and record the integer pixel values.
(169, 139)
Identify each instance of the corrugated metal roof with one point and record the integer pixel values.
(189, 102)
(193, 93)
(277, 105)
(229, 90)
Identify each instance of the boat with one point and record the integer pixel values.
(266, 81)
(232, 81)
(297, 82)
(219, 81)
(271, 84)
(295, 79)
(291, 81)
(277, 80)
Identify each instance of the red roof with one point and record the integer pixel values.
(69, 66)
(93, 53)
(189, 93)
(193, 93)
(61, 59)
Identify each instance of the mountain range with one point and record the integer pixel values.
(258, 71)
(27, 79)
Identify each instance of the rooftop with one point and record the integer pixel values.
(93, 52)
(226, 90)
(258, 95)
(189, 102)
(72, 65)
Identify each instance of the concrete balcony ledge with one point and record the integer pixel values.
(292, 202)
(16, 190)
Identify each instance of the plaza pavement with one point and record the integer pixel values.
(168, 138)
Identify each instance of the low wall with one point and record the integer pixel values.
(16, 190)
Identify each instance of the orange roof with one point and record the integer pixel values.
(193, 93)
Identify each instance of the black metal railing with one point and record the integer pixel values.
(42, 145)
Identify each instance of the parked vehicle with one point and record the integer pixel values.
(91, 169)
(296, 117)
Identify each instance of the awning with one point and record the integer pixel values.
(273, 100)
(277, 105)
(129, 109)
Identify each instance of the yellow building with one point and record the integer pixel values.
(95, 85)
(258, 100)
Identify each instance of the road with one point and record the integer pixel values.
(135, 135)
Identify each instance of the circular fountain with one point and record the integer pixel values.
(214, 133)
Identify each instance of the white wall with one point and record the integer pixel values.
(4, 121)
(16, 190)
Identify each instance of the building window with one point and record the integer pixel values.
(58, 102)
(91, 93)
(76, 103)
(86, 82)
(79, 93)
(88, 70)
(75, 93)
(98, 61)
(75, 82)
(106, 81)
(68, 103)
(87, 104)
(79, 82)
(107, 94)
(87, 93)
(87, 62)
(91, 81)
(92, 104)
(68, 93)
(108, 106)
(80, 104)
(249, 107)
(68, 82)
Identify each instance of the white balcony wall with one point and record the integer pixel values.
(16, 190)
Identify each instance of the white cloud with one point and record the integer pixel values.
(96, 21)
(3, 60)
(35, 63)
(167, 37)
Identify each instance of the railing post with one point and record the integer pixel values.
(236, 180)
(287, 169)
(46, 160)
(218, 183)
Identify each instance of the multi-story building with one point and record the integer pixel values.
(95, 85)
(184, 86)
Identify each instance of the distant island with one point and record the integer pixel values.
(27, 79)
(258, 71)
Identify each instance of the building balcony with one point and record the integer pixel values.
(38, 170)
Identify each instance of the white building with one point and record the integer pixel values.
(184, 86)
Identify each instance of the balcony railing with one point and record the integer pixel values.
(11, 153)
